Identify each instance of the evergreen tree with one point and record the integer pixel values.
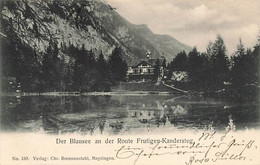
(68, 75)
(194, 68)
(218, 59)
(164, 63)
(50, 75)
(245, 66)
(117, 66)
(205, 75)
(84, 77)
(180, 62)
(156, 70)
(61, 74)
(238, 72)
(255, 64)
(103, 75)
(245, 73)
(79, 67)
(29, 73)
(79, 73)
(90, 77)
(18, 61)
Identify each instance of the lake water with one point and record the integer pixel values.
(122, 114)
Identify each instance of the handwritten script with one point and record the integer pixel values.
(208, 148)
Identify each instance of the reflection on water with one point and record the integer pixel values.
(123, 114)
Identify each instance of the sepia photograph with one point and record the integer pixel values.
(152, 74)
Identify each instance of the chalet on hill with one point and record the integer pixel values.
(143, 69)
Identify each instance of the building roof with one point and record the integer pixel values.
(142, 62)
(151, 61)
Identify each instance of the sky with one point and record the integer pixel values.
(196, 22)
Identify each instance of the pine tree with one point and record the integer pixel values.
(245, 73)
(117, 66)
(84, 77)
(50, 74)
(180, 62)
(79, 67)
(103, 75)
(164, 63)
(255, 65)
(238, 73)
(194, 68)
(218, 59)
(68, 76)
(78, 73)
(18, 60)
(156, 70)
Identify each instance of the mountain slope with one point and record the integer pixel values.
(139, 38)
(92, 23)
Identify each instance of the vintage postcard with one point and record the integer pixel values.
(134, 82)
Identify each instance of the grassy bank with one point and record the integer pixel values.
(142, 86)
(229, 92)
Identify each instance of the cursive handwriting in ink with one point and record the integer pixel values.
(209, 148)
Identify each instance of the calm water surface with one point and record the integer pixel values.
(123, 114)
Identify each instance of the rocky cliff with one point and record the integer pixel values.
(93, 23)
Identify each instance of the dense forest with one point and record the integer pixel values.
(22, 71)
(211, 71)
(66, 67)
(214, 72)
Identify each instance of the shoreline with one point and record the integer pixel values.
(125, 93)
